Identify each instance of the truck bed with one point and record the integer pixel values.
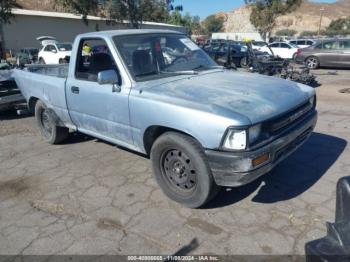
(46, 83)
(60, 71)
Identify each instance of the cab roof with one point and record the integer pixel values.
(113, 33)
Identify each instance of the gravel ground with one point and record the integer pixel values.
(89, 197)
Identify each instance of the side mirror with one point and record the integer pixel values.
(54, 51)
(109, 77)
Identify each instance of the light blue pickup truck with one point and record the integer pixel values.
(157, 93)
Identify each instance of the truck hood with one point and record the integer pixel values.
(229, 93)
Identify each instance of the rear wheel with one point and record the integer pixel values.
(52, 133)
(312, 62)
(182, 171)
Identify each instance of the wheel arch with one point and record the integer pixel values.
(31, 103)
(153, 132)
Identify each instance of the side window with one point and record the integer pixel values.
(48, 48)
(344, 44)
(275, 45)
(293, 42)
(302, 42)
(319, 46)
(309, 42)
(330, 45)
(94, 56)
(284, 45)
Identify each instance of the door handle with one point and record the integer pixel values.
(75, 89)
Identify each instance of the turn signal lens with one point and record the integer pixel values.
(260, 160)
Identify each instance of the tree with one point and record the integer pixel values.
(213, 23)
(81, 7)
(308, 33)
(265, 12)
(286, 32)
(339, 26)
(135, 11)
(191, 23)
(5, 18)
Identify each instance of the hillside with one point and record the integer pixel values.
(307, 17)
(41, 5)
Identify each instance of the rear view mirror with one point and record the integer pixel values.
(109, 77)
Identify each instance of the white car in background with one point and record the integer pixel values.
(302, 43)
(282, 49)
(257, 45)
(53, 52)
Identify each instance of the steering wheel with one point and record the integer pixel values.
(179, 60)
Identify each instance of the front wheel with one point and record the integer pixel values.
(182, 171)
(52, 133)
(312, 62)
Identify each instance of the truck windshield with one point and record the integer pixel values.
(153, 56)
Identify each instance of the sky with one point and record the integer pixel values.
(203, 8)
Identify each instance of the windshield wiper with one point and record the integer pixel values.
(147, 73)
(185, 72)
(208, 67)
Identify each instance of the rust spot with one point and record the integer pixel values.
(204, 226)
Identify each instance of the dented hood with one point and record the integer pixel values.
(228, 93)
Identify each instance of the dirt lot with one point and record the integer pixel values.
(89, 197)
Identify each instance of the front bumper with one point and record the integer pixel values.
(235, 168)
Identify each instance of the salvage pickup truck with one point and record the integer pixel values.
(202, 126)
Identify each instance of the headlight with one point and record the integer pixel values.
(254, 133)
(312, 100)
(236, 140)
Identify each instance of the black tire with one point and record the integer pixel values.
(42, 61)
(52, 133)
(182, 171)
(312, 62)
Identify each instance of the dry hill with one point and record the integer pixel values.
(307, 17)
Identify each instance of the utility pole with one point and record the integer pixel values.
(319, 26)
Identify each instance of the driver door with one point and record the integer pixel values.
(97, 109)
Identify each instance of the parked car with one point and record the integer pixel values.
(53, 52)
(230, 54)
(282, 49)
(258, 44)
(333, 53)
(10, 95)
(202, 126)
(27, 55)
(302, 43)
